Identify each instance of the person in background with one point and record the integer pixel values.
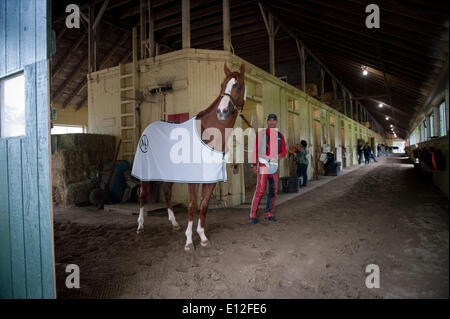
(366, 150)
(378, 150)
(274, 149)
(386, 149)
(371, 155)
(360, 149)
(302, 162)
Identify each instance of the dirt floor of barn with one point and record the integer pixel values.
(383, 214)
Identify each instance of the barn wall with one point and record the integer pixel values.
(26, 224)
(69, 115)
(196, 76)
(103, 102)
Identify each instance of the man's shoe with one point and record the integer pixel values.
(271, 218)
(253, 221)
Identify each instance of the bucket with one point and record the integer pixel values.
(290, 184)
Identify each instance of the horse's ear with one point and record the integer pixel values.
(226, 69)
(242, 69)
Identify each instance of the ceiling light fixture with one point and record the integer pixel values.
(387, 118)
(380, 105)
(364, 70)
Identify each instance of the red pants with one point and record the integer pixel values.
(259, 192)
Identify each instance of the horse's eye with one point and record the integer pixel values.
(239, 86)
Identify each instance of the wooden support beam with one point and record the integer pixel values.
(69, 78)
(143, 28)
(60, 33)
(351, 104)
(103, 64)
(100, 14)
(91, 39)
(334, 84)
(322, 83)
(186, 23)
(271, 31)
(344, 96)
(226, 26)
(294, 36)
(151, 30)
(80, 88)
(302, 55)
(67, 54)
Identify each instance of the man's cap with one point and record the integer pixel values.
(272, 116)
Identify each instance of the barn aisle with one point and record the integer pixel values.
(383, 214)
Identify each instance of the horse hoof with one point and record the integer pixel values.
(189, 248)
(176, 227)
(205, 243)
(139, 230)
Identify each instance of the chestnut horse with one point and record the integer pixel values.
(221, 114)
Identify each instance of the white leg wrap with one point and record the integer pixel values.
(189, 235)
(201, 232)
(172, 218)
(140, 220)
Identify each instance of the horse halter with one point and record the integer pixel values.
(233, 102)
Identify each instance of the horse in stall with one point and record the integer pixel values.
(221, 114)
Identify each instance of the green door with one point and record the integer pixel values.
(26, 232)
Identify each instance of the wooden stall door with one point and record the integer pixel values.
(332, 140)
(344, 150)
(317, 146)
(26, 223)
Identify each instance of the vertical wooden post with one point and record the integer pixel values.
(303, 66)
(186, 23)
(272, 32)
(96, 47)
(344, 96)
(351, 105)
(358, 111)
(151, 30)
(271, 45)
(91, 38)
(322, 83)
(143, 29)
(135, 45)
(226, 26)
(333, 82)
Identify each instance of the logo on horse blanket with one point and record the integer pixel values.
(143, 143)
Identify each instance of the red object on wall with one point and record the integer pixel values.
(178, 118)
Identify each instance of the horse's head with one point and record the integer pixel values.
(232, 94)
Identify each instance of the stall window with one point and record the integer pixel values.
(12, 106)
(430, 120)
(442, 120)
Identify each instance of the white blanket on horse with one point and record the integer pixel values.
(175, 153)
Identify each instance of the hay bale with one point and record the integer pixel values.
(74, 165)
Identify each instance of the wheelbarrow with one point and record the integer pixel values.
(99, 195)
